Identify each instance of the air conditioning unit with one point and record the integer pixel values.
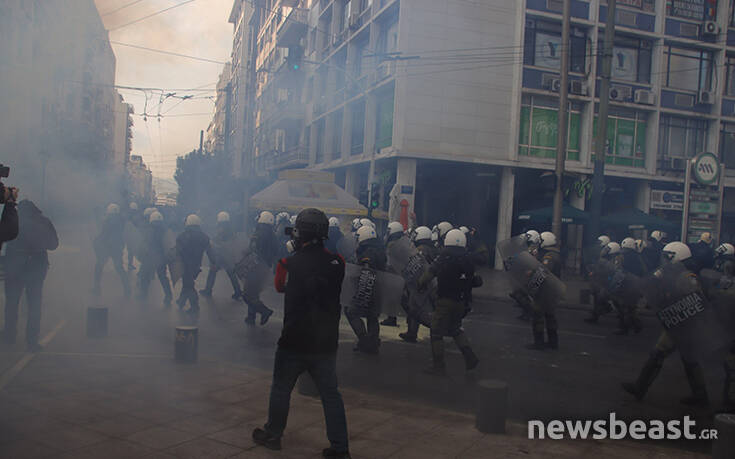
(706, 97)
(643, 96)
(578, 87)
(552, 84)
(354, 20)
(710, 29)
(672, 164)
(618, 94)
(385, 70)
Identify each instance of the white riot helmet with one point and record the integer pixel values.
(290, 246)
(725, 249)
(464, 230)
(603, 240)
(444, 228)
(148, 211)
(367, 222)
(422, 233)
(334, 222)
(356, 224)
(223, 217)
(395, 228)
(292, 220)
(640, 245)
(193, 220)
(548, 239)
(434, 236)
(658, 235)
(455, 238)
(612, 248)
(365, 233)
(676, 251)
(155, 217)
(282, 217)
(133, 206)
(628, 243)
(113, 209)
(266, 218)
(533, 237)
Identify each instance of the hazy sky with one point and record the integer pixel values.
(199, 28)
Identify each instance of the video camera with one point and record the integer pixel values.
(6, 193)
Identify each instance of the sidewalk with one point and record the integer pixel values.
(66, 405)
(497, 285)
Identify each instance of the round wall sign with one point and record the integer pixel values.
(706, 169)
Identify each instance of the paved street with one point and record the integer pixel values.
(125, 396)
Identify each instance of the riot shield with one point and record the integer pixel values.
(529, 275)
(688, 316)
(252, 271)
(369, 291)
(399, 252)
(720, 291)
(590, 257)
(421, 303)
(229, 253)
(346, 247)
(509, 248)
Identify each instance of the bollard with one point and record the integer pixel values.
(492, 406)
(724, 446)
(96, 322)
(186, 344)
(584, 296)
(306, 385)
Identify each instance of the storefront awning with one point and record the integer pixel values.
(569, 214)
(637, 219)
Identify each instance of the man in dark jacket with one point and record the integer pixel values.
(9, 220)
(154, 258)
(311, 278)
(25, 270)
(223, 238)
(190, 247)
(109, 244)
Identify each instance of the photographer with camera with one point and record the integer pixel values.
(9, 219)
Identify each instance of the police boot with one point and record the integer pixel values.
(390, 321)
(695, 376)
(553, 339)
(648, 374)
(538, 342)
(470, 359)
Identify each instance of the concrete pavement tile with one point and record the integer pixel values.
(446, 437)
(361, 419)
(25, 448)
(312, 437)
(201, 425)
(235, 414)
(398, 428)
(120, 426)
(192, 405)
(70, 439)
(418, 451)
(204, 448)
(367, 448)
(112, 449)
(157, 414)
(239, 436)
(30, 426)
(11, 409)
(161, 437)
(231, 394)
(263, 453)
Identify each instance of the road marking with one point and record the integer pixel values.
(525, 327)
(8, 376)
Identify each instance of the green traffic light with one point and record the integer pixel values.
(296, 66)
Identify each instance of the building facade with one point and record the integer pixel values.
(452, 106)
(140, 181)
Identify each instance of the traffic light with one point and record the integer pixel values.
(374, 195)
(295, 57)
(363, 198)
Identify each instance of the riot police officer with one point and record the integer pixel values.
(441, 230)
(224, 234)
(652, 253)
(725, 258)
(154, 258)
(191, 245)
(370, 254)
(425, 247)
(264, 244)
(702, 252)
(335, 236)
(455, 274)
(676, 281)
(634, 265)
(109, 244)
(393, 238)
(551, 259)
(523, 301)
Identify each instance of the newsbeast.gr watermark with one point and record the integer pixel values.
(617, 429)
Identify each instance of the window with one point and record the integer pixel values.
(337, 137)
(388, 39)
(727, 145)
(645, 5)
(358, 128)
(682, 137)
(365, 4)
(626, 138)
(346, 15)
(539, 128)
(631, 60)
(696, 10)
(320, 141)
(688, 69)
(384, 120)
(357, 64)
(730, 82)
(542, 46)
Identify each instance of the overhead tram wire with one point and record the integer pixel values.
(150, 15)
(121, 8)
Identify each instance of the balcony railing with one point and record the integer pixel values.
(292, 29)
(276, 159)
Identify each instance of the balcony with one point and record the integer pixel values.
(295, 157)
(292, 29)
(286, 112)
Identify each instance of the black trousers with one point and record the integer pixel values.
(31, 282)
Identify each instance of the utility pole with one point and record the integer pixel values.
(561, 140)
(201, 141)
(598, 179)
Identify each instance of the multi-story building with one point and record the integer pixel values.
(123, 134)
(140, 181)
(452, 105)
(215, 138)
(241, 81)
(57, 75)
